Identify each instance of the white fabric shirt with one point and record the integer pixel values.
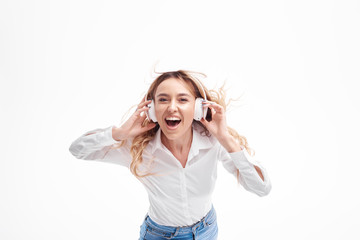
(178, 196)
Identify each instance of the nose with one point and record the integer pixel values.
(172, 106)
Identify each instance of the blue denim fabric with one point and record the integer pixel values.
(205, 229)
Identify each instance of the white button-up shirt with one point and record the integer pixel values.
(178, 196)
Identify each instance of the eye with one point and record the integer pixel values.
(183, 99)
(162, 99)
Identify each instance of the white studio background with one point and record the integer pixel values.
(67, 67)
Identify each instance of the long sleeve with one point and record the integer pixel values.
(249, 178)
(98, 145)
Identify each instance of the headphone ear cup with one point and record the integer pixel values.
(199, 111)
(151, 112)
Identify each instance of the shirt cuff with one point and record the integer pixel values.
(103, 136)
(241, 160)
(110, 133)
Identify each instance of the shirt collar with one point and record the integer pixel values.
(200, 141)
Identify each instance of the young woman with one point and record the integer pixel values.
(172, 144)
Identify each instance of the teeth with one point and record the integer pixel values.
(172, 118)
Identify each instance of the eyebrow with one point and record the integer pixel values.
(167, 95)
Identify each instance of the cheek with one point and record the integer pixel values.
(188, 111)
(160, 108)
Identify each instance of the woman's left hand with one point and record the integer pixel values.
(218, 127)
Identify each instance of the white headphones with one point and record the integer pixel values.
(199, 113)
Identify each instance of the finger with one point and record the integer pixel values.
(204, 122)
(210, 103)
(144, 103)
(142, 114)
(141, 111)
(214, 106)
(143, 108)
(143, 100)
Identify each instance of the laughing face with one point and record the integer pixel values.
(174, 108)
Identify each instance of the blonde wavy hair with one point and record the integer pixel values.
(141, 141)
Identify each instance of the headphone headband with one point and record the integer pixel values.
(199, 111)
(197, 80)
(202, 88)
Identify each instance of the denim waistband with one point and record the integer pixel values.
(208, 219)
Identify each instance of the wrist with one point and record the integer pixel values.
(230, 144)
(116, 134)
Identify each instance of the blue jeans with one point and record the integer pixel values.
(205, 229)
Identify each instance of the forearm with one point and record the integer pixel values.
(231, 145)
(92, 145)
(117, 134)
(253, 175)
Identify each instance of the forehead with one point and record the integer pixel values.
(174, 86)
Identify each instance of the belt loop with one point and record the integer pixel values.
(204, 222)
(176, 232)
(207, 215)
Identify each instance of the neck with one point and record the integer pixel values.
(179, 145)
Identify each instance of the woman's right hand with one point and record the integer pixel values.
(133, 126)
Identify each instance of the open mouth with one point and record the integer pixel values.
(172, 122)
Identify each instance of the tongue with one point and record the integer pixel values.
(172, 123)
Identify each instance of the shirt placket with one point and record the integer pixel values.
(184, 195)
